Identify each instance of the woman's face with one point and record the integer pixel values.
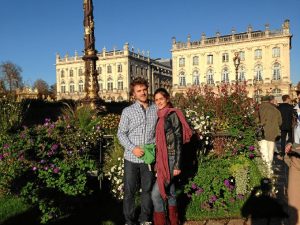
(160, 101)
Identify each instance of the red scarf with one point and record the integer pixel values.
(162, 161)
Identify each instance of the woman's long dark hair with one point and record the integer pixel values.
(164, 93)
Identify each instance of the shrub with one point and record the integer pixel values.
(49, 163)
(114, 168)
(221, 187)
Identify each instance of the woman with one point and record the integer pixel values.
(172, 131)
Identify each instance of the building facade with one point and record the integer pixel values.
(116, 69)
(264, 61)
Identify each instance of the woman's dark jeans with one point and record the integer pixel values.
(133, 172)
(158, 202)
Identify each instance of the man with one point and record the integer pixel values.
(297, 109)
(294, 170)
(270, 118)
(137, 128)
(286, 110)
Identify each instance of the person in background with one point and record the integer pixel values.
(136, 129)
(294, 182)
(270, 119)
(297, 112)
(286, 128)
(172, 131)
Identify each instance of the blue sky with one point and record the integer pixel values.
(33, 31)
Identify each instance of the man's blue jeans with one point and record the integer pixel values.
(158, 202)
(133, 172)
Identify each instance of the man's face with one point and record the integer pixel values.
(140, 93)
(298, 96)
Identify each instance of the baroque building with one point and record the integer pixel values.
(116, 69)
(264, 61)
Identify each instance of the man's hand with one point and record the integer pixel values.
(138, 152)
(176, 172)
(288, 148)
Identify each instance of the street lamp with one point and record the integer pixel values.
(236, 62)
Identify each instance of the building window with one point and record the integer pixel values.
(80, 86)
(196, 79)
(63, 87)
(182, 62)
(71, 73)
(120, 84)
(195, 60)
(276, 52)
(241, 74)
(225, 76)
(258, 73)
(182, 79)
(276, 92)
(242, 55)
(276, 71)
(110, 85)
(131, 69)
(109, 69)
(136, 70)
(119, 68)
(142, 71)
(210, 59)
(258, 54)
(80, 72)
(210, 77)
(72, 87)
(99, 69)
(225, 57)
(100, 86)
(62, 74)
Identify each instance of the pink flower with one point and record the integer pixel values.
(56, 170)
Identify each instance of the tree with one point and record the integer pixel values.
(42, 87)
(11, 76)
(52, 91)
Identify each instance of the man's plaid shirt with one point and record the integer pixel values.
(136, 128)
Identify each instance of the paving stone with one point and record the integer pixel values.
(217, 222)
(195, 223)
(236, 222)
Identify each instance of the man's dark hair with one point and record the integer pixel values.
(271, 97)
(138, 81)
(285, 97)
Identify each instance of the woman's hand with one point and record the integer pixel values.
(176, 172)
(288, 148)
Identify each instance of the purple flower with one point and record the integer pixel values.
(251, 156)
(5, 146)
(199, 191)
(213, 199)
(232, 200)
(251, 148)
(240, 196)
(54, 147)
(194, 186)
(1, 157)
(34, 168)
(227, 183)
(189, 195)
(56, 170)
(42, 161)
(46, 168)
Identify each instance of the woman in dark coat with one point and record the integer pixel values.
(172, 131)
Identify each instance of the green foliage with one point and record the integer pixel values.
(11, 114)
(221, 187)
(11, 206)
(114, 168)
(49, 163)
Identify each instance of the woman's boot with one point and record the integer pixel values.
(173, 215)
(159, 218)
